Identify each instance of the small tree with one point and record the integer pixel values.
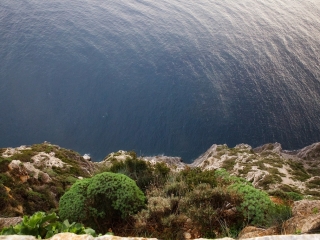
(101, 201)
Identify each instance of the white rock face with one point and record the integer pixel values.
(14, 164)
(43, 159)
(86, 157)
(11, 151)
(175, 163)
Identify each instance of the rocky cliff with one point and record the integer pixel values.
(268, 167)
(33, 178)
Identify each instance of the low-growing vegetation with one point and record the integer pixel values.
(103, 201)
(42, 225)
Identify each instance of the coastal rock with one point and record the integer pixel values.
(271, 147)
(86, 157)
(252, 232)
(9, 152)
(306, 217)
(26, 172)
(311, 152)
(7, 222)
(43, 159)
(174, 163)
(268, 167)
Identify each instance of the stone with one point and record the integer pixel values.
(187, 235)
(7, 222)
(86, 157)
(306, 217)
(17, 237)
(252, 232)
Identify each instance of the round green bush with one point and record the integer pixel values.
(256, 204)
(102, 200)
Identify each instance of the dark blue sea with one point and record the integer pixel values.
(159, 77)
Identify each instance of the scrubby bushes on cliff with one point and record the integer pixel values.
(191, 196)
(256, 207)
(101, 201)
(209, 209)
(210, 203)
(143, 173)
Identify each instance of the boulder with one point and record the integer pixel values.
(306, 217)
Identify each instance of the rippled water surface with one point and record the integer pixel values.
(159, 77)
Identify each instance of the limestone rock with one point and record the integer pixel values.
(251, 232)
(43, 159)
(86, 157)
(174, 163)
(7, 222)
(17, 237)
(310, 152)
(306, 217)
(9, 152)
(71, 236)
(268, 167)
(305, 207)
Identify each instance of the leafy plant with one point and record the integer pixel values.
(42, 225)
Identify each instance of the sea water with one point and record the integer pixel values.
(159, 77)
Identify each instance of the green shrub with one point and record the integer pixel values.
(102, 200)
(6, 180)
(42, 225)
(255, 205)
(269, 179)
(195, 176)
(315, 171)
(176, 189)
(294, 196)
(287, 188)
(43, 147)
(313, 193)
(142, 172)
(286, 196)
(229, 163)
(24, 155)
(223, 178)
(314, 183)
(4, 162)
(206, 207)
(298, 171)
(190, 194)
(4, 198)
